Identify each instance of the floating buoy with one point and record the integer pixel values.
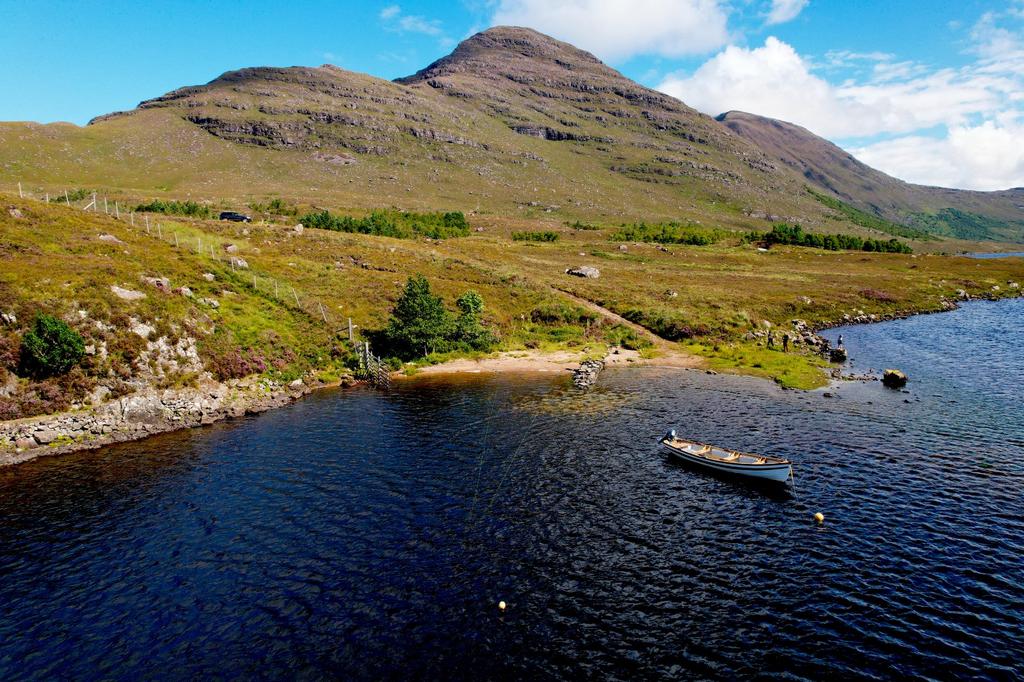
(819, 517)
(501, 605)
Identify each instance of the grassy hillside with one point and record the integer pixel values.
(268, 317)
(869, 195)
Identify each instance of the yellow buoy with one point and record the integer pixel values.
(501, 605)
(819, 517)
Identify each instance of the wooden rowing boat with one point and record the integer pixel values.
(761, 467)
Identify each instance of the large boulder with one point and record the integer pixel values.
(893, 378)
(584, 271)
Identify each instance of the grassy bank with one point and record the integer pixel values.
(285, 312)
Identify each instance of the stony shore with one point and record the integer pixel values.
(142, 414)
(151, 412)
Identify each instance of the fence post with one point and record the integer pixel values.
(147, 224)
(20, 195)
(105, 209)
(66, 199)
(296, 298)
(350, 337)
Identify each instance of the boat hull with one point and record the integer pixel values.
(776, 473)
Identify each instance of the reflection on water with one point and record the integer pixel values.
(364, 535)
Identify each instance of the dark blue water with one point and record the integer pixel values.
(358, 535)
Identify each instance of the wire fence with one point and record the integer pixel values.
(371, 367)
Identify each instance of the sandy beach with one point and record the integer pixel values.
(561, 361)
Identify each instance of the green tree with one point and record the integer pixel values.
(50, 348)
(467, 326)
(419, 324)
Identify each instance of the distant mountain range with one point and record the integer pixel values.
(512, 122)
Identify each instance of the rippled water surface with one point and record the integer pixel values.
(364, 535)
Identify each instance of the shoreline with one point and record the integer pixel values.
(142, 414)
(558, 361)
(151, 412)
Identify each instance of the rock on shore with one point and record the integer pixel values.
(893, 378)
(585, 375)
(139, 415)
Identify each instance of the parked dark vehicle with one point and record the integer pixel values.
(235, 217)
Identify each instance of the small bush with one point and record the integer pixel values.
(667, 325)
(547, 236)
(877, 295)
(577, 225)
(275, 207)
(621, 335)
(236, 364)
(668, 233)
(398, 224)
(50, 348)
(185, 208)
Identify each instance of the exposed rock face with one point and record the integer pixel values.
(584, 271)
(126, 294)
(483, 107)
(894, 378)
(140, 414)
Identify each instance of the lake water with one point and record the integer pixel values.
(1006, 254)
(362, 535)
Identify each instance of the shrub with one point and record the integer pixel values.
(186, 208)
(668, 233)
(621, 335)
(877, 295)
(468, 329)
(236, 363)
(547, 236)
(577, 225)
(50, 348)
(275, 207)
(794, 235)
(398, 224)
(667, 325)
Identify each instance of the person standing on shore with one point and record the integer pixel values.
(785, 343)
(771, 340)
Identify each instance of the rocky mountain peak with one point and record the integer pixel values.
(510, 50)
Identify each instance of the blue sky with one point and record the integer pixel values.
(932, 92)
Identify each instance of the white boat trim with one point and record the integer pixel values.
(761, 467)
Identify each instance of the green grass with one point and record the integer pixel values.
(695, 298)
(790, 370)
(867, 220)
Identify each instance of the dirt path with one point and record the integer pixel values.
(669, 354)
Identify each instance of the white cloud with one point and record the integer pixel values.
(619, 29)
(900, 97)
(785, 10)
(395, 20)
(955, 127)
(989, 156)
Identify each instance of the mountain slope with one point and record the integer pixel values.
(511, 122)
(948, 212)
